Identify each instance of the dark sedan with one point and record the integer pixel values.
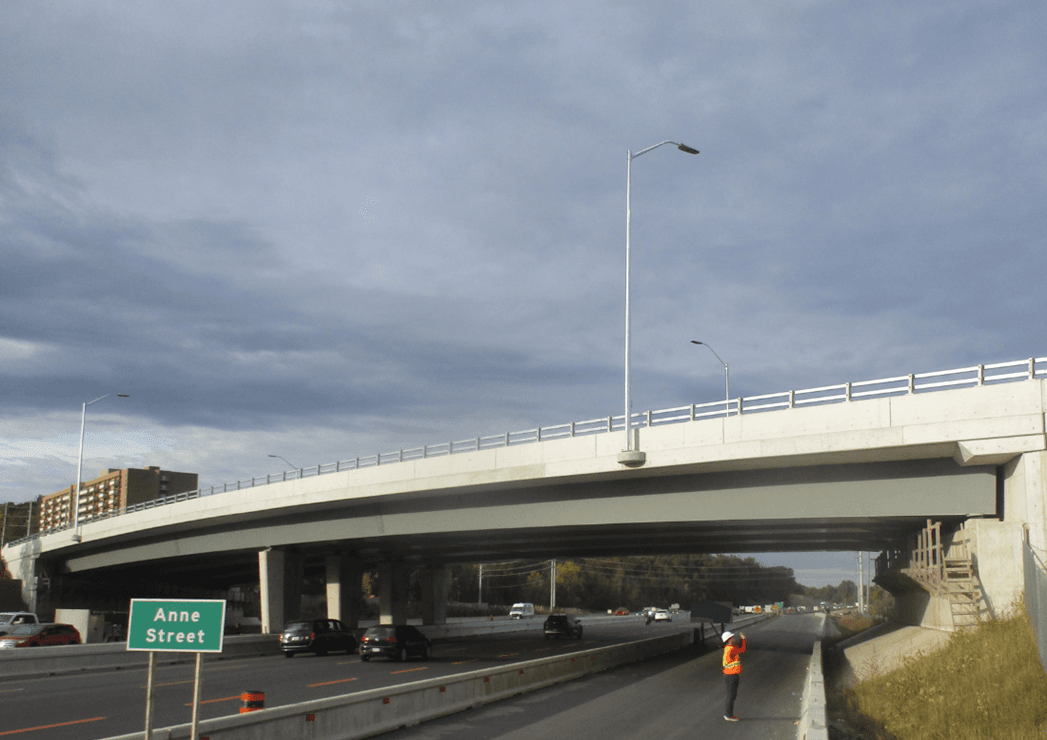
(399, 643)
(319, 636)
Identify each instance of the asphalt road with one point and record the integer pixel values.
(104, 704)
(671, 697)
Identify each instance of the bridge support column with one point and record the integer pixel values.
(344, 588)
(280, 581)
(436, 583)
(392, 593)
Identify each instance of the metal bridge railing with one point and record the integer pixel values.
(965, 377)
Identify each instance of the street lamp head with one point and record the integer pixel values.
(281, 457)
(695, 341)
(685, 148)
(122, 395)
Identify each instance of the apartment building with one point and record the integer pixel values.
(112, 491)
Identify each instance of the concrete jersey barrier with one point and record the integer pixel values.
(814, 719)
(373, 712)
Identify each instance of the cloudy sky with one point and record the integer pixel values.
(324, 229)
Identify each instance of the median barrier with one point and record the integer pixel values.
(814, 719)
(47, 661)
(51, 661)
(481, 627)
(372, 712)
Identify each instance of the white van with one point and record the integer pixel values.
(521, 610)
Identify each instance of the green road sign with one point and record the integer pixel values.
(184, 625)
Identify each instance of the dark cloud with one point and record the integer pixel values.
(372, 225)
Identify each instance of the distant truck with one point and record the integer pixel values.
(8, 620)
(521, 610)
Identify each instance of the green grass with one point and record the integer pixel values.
(986, 684)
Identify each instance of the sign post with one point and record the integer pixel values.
(184, 625)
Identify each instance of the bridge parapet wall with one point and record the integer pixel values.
(989, 425)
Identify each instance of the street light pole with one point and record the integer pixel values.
(726, 378)
(629, 456)
(80, 462)
(296, 468)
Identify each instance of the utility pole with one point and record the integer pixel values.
(552, 584)
(480, 588)
(3, 532)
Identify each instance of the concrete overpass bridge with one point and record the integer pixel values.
(860, 466)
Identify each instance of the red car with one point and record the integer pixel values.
(621, 611)
(36, 635)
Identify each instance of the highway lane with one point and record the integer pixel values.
(671, 697)
(104, 704)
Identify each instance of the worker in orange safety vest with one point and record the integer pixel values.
(732, 669)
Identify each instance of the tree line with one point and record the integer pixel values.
(598, 584)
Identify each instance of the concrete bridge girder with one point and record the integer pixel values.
(845, 476)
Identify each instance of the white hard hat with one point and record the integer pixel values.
(726, 636)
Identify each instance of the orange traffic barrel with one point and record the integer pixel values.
(252, 701)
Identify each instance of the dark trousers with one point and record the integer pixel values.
(732, 692)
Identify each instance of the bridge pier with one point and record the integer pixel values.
(344, 588)
(280, 574)
(392, 592)
(436, 583)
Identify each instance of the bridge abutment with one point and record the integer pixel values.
(932, 591)
(996, 543)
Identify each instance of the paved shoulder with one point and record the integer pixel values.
(672, 697)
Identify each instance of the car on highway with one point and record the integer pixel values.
(8, 620)
(318, 636)
(521, 610)
(562, 625)
(662, 615)
(398, 642)
(621, 611)
(40, 635)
